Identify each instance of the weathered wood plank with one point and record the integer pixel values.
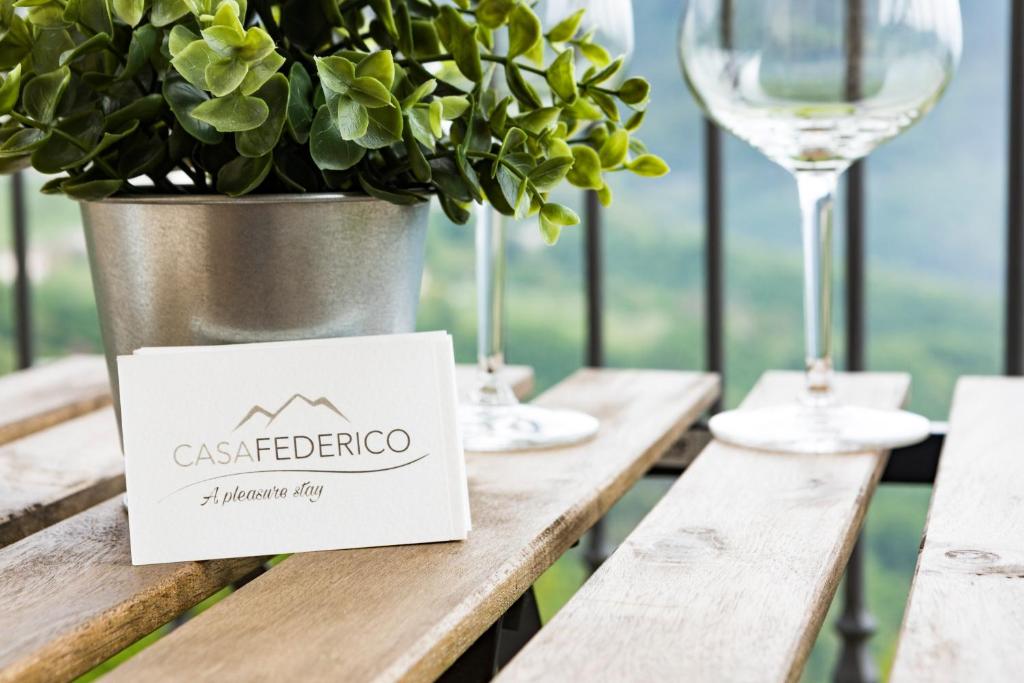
(60, 471)
(965, 618)
(70, 596)
(729, 577)
(35, 399)
(409, 612)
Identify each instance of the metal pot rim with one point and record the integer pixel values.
(203, 199)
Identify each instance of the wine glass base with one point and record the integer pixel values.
(520, 427)
(797, 428)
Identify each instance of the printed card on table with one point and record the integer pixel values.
(261, 449)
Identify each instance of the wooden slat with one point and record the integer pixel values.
(965, 619)
(409, 612)
(729, 577)
(58, 472)
(69, 595)
(35, 399)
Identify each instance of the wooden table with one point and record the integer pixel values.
(730, 576)
(71, 598)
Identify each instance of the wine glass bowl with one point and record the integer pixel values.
(816, 85)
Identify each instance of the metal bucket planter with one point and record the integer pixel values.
(185, 271)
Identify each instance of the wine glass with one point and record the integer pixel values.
(492, 419)
(816, 85)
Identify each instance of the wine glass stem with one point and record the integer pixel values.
(817, 197)
(490, 303)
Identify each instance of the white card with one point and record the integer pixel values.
(262, 449)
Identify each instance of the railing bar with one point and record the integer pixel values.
(714, 344)
(1014, 351)
(856, 625)
(597, 550)
(22, 310)
(855, 268)
(594, 268)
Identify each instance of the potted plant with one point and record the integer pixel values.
(254, 171)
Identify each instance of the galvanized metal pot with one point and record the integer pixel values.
(184, 271)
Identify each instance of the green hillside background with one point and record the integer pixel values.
(936, 206)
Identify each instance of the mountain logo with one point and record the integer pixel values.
(273, 415)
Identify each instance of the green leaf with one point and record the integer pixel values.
(635, 92)
(351, 117)
(91, 190)
(180, 38)
(336, 73)
(58, 153)
(562, 76)
(143, 109)
(392, 195)
(436, 118)
(550, 173)
(94, 44)
(425, 39)
(453, 106)
(606, 73)
(260, 73)
(300, 110)
(417, 161)
(566, 29)
(9, 90)
(514, 139)
(94, 14)
(262, 140)
(460, 39)
(25, 140)
(606, 103)
(330, 152)
(455, 211)
(539, 120)
(648, 165)
(223, 77)
(604, 195)
(130, 11)
(494, 13)
(524, 31)
(382, 9)
(183, 97)
(42, 94)
(613, 151)
(233, 114)
(193, 61)
(385, 127)
(554, 217)
(380, 66)
(331, 11)
(586, 168)
(424, 89)
(145, 42)
(520, 89)
(243, 175)
(369, 92)
(419, 120)
(595, 53)
(168, 11)
(635, 121)
(47, 47)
